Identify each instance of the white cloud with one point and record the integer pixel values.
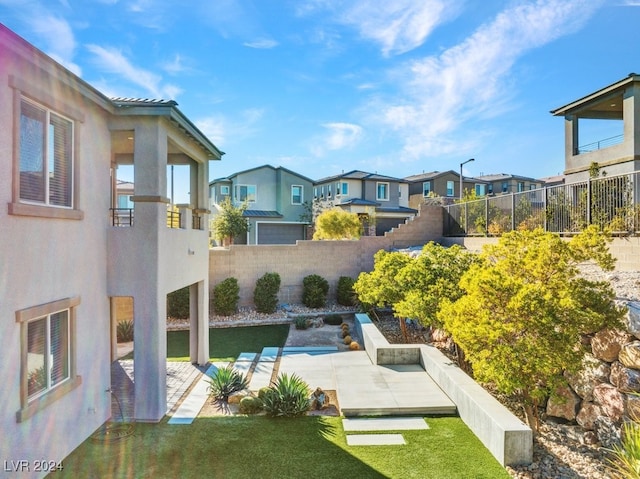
(112, 60)
(472, 79)
(261, 43)
(175, 66)
(221, 129)
(339, 136)
(397, 26)
(59, 37)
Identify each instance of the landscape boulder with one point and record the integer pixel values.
(594, 371)
(606, 344)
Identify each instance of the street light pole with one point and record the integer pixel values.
(461, 165)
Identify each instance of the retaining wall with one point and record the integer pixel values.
(506, 436)
(626, 250)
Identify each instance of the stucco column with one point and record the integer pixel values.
(150, 356)
(199, 330)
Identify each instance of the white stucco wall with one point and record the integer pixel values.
(47, 259)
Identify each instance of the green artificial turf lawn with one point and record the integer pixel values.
(307, 447)
(225, 344)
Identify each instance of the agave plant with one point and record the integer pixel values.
(625, 463)
(226, 382)
(288, 397)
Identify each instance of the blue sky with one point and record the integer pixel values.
(320, 86)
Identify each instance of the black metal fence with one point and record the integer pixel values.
(610, 202)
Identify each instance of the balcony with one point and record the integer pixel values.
(598, 145)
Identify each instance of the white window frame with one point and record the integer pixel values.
(451, 188)
(43, 100)
(384, 184)
(224, 190)
(426, 188)
(238, 188)
(301, 195)
(520, 186)
(338, 193)
(344, 188)
(31, 404)
(481, 189)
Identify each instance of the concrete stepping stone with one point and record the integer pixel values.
(375, 440)
(192, 404)
(261, 376)
(269, 354)
(384, 424)
(246, 357)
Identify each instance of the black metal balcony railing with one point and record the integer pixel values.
(196, 221)
(598, 145)
(174, 219)
(611, 202)
(121, 216)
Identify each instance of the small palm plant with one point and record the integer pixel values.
(226, 382)
(288, 397)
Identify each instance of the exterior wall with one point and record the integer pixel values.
(370, 193)
(285, 181)
(49, 259)
(266, 189)
(329, 259)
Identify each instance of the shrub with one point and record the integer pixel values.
(178, 303)
(333, 319)
(345, 332)
(250, 405)
(265, 294)
(226, 296)
(344, 326)
(347, 340)
(354, 346)
(314, 291)
(262, 392)
(226, 382)
(302, 322)
(345, 293)
(124, 331)
(288, 397)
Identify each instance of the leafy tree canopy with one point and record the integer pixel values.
(337, 224)
(526, 309)
(230, 221)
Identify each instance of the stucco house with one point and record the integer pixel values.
(442, 184)
(379, 199)
(275, 197)
(603, 127)
(64, 264)
(504, 183)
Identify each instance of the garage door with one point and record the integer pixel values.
(278, 233)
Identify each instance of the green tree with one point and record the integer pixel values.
(230, 222)
(526, 311)
(381, 287)
(337, 224)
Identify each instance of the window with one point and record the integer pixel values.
(520, 186)
(296, 195)
(329, 190)
(426, 188)
(382, 191)
(480, 189)
(490, 188)
(46, 157)
(246, 193)
(344, 188)
(450, 188)
(224, 190)
(315, 192)
(532, 186)
(48, 362)
(124, 201)
(505, 186)
(338, 191)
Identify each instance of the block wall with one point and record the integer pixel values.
(329, 259)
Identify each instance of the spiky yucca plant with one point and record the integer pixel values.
(288, 397)
(625, 463)
(226, 382)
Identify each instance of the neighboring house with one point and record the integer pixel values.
(378, 199)
(64, 265)
(549, 181)
(442, 184)
(275, 199)
(502, 183)
(603, 127)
